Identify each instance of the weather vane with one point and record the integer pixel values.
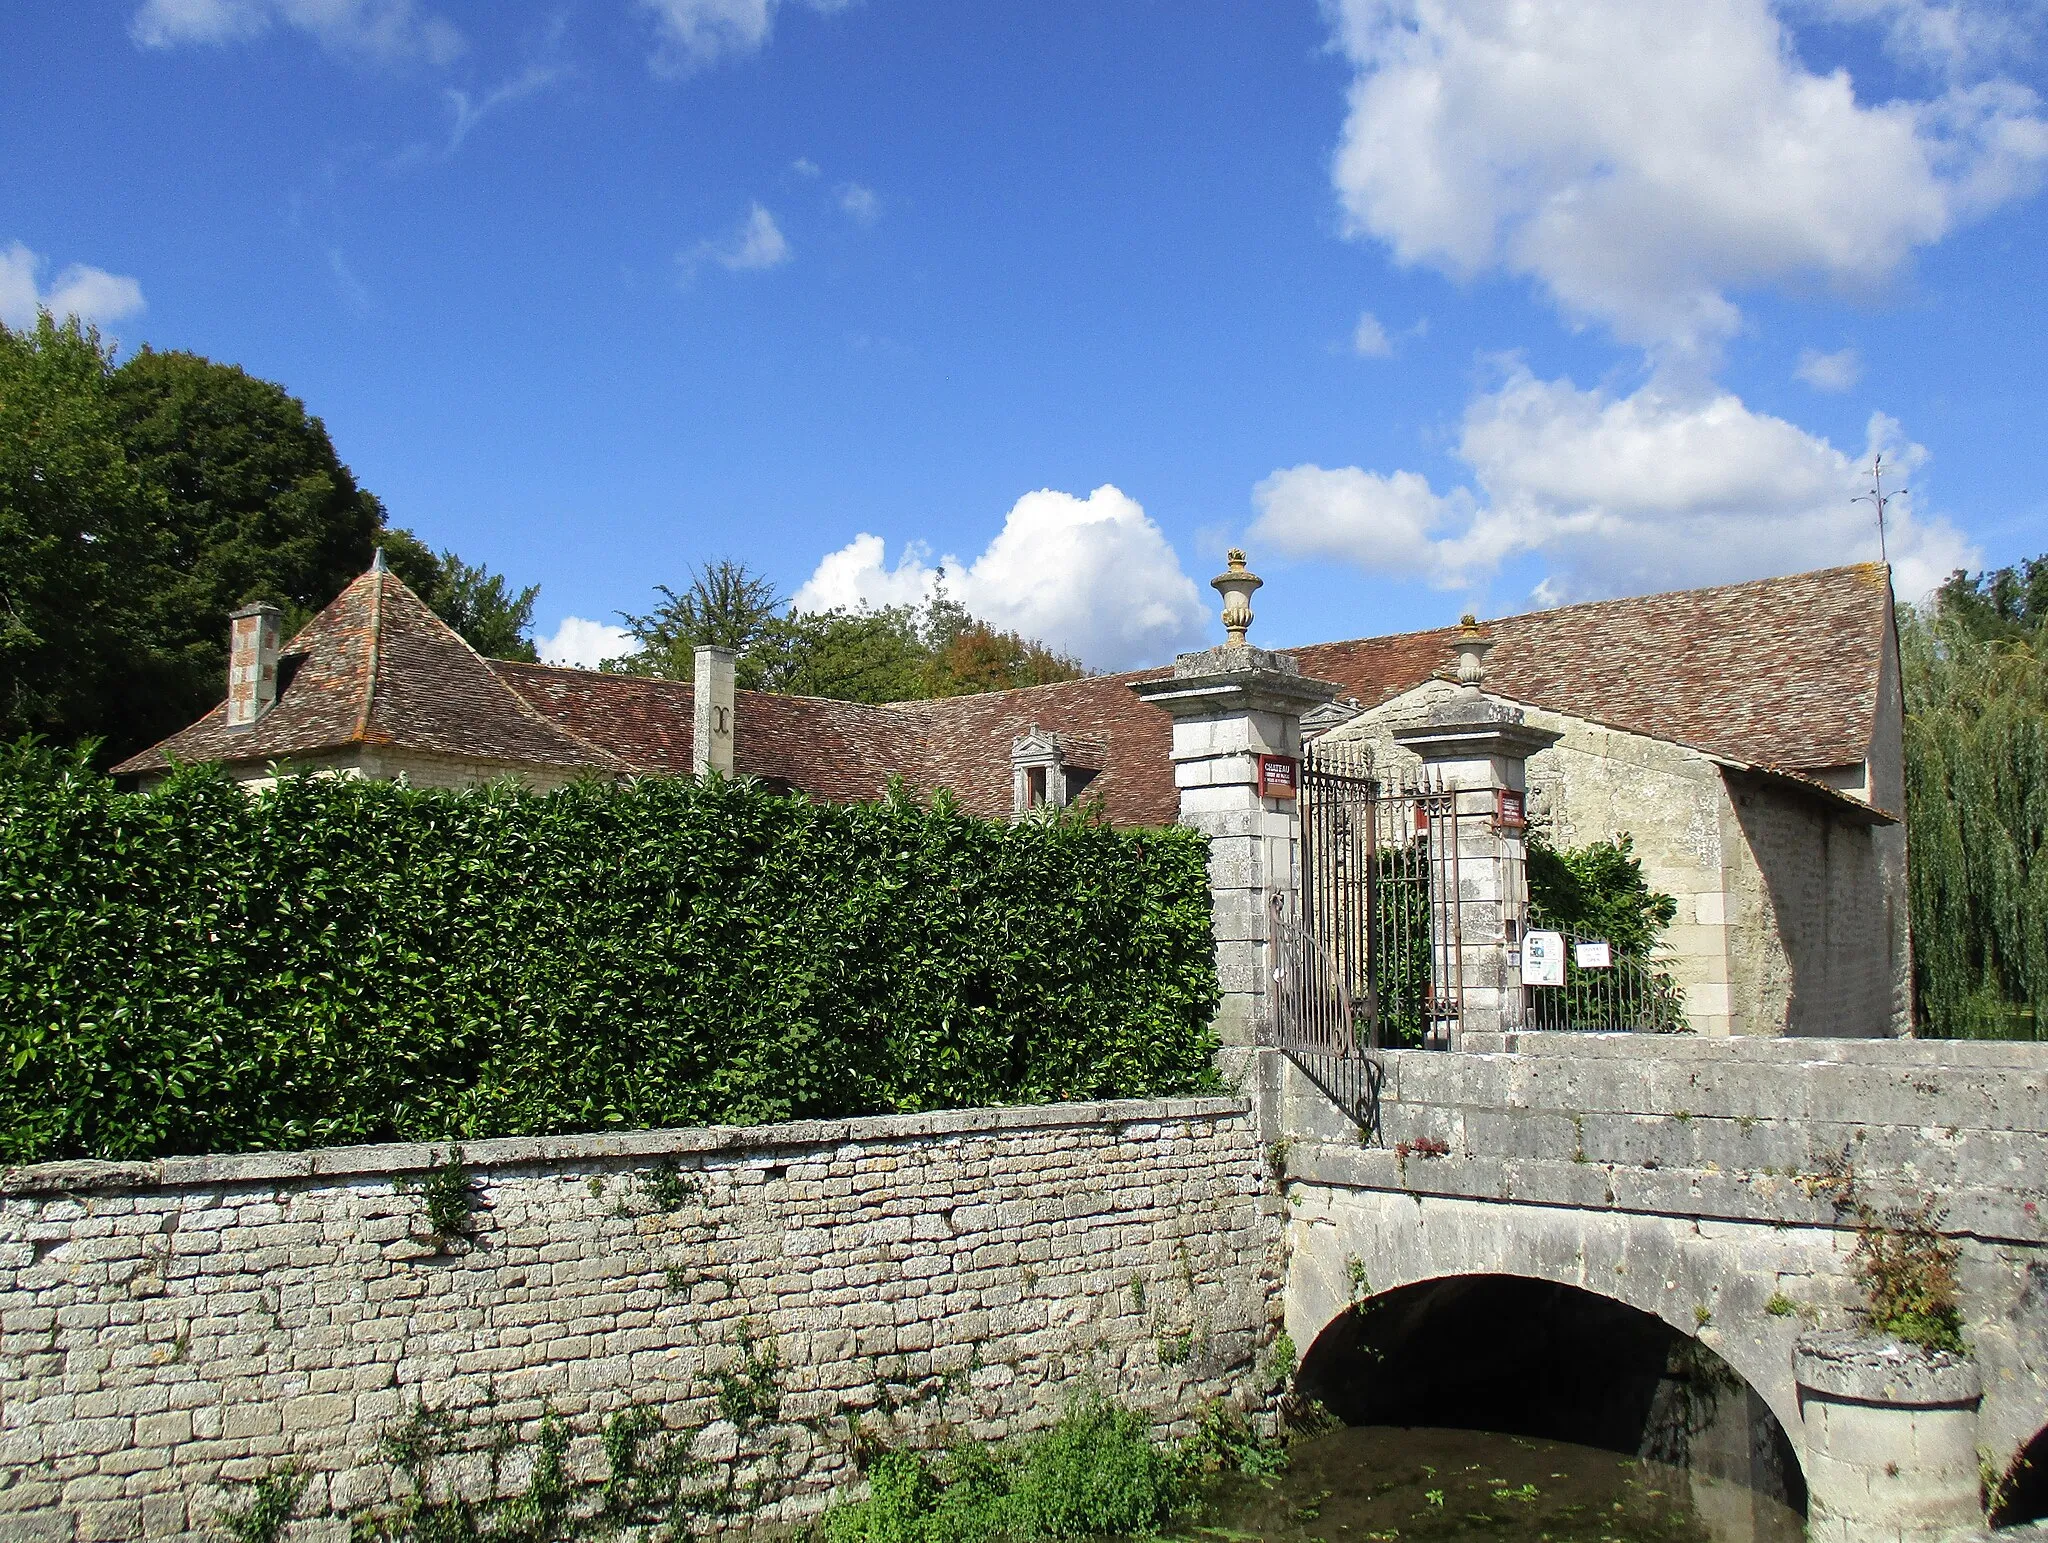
(1877, 498)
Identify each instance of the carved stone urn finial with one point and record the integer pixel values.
(1236, 587)
(1471, 646)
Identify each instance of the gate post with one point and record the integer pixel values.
(1477, 748)
(1234, 706)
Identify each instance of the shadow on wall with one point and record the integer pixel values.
(1533, 1358)
(1824, 894)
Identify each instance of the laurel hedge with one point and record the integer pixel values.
(333, 961)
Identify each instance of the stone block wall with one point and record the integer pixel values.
(172, 1331)
(1707, 1182)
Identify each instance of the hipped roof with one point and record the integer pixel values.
(1776, 673)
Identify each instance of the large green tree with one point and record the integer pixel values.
(139, 505)
(1976, 687)
(255, 505)
(79, 534)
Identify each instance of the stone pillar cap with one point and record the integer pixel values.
(1877, 1369)
(256, 608)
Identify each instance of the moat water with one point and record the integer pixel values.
(1390, 1484)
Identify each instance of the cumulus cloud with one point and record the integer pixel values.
(91, 294)
(1641, 162)
(584, 643)
(1093, 576)
(1838, 371)
(860, 202)
(690, 34)
(384, 31)
(758, 243)
(1369, 339)
(1950, 37)
(1659, 489)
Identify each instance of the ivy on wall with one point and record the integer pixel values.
(341, 961)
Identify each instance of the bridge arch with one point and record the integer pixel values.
(2022, 1495)
(1535, 1357)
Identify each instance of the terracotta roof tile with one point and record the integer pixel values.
(378, 668)
(1776, 673)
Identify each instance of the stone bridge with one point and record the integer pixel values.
(1555, 1223)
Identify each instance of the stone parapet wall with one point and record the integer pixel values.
(172, 1331)
(1713, 1183)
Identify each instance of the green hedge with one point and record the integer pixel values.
(339, 961)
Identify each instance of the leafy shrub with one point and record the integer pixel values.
(338, 961)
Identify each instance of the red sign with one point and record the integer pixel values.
(1510, 810)
(1279, 776)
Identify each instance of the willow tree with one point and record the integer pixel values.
(1977, 821)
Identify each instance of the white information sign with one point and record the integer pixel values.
(1543, 959)
(1593, 956)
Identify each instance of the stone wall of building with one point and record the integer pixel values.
(1789, 919)
(172, 1331)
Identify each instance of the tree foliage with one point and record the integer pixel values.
(1598, 891)
(140, 504)
(1976, 687)
(79, 532)
(878, 654)
(338, 961)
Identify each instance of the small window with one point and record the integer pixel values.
(1034, 794)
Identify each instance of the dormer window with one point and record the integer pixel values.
(1048, 771)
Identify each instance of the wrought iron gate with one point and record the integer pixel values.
(1368, 955)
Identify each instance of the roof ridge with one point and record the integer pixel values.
(372, 639)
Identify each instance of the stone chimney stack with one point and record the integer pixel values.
(255, 633)
(711, 739)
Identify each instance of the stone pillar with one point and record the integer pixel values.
(1476, 747)
(711, 697)
(1230, 705)
(254, 638)
(1891, 1440)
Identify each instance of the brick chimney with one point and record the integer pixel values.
(254, 635)
(711, 739)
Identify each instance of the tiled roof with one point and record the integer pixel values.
(377, 668)
(1778, 673)
(833, 750)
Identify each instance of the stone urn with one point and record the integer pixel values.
(1891, 1439)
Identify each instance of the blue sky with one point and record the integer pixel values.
(1431, 305)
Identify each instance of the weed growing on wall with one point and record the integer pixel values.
(265, 1511)
(340, 961)
(1908, 1271)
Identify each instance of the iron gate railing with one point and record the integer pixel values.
(1379, 892)
(1628, 994)
(1369, 953)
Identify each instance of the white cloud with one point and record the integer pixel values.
(1952, 38)
(804, 166)
(1838, 371)
(1369, 339)
(1640, 162)
(757, 244)
(1093, 576)
(470, 111)
(690, 34)
(91, 294)
(1387, 524)
(584, 643)
(384, 31)
(860, 202)
(1655, 490)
